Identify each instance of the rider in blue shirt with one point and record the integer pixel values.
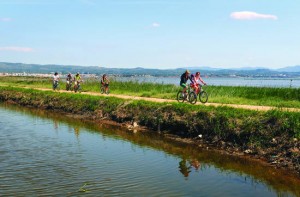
(183, 80)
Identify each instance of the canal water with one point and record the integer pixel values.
(48, 154)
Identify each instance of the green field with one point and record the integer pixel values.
(263, 96)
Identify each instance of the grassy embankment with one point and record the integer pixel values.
(278, 97)
(271, 134)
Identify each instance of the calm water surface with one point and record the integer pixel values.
(43, 153)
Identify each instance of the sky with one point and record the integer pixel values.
(151, 33)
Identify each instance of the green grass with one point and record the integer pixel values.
(225, 122)
(278, 97)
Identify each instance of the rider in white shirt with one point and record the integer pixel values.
(55, 80)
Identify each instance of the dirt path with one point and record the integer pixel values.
(250, 107)
(159, 100)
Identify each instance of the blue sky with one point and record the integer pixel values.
(151, 33)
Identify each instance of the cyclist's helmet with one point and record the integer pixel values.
(187, 71)
(77, 73)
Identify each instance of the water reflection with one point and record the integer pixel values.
(186, 166)
(121, 157)
(73, 129)
(55, 125)
(196, 164)
(76, 131)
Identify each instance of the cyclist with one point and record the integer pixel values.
(69, 78)
(195, 81)
(69, 81)
(105, 83)
(183, 79)
(55, 80)
(77, 80)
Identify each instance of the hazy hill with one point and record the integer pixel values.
(290, 69)
(242, 72)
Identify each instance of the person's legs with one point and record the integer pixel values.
(183, 85)
(184, 93)
(197, 89)
(106, 88)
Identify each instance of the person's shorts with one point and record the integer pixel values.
(193, 85)
(106, 85)
(183, 85)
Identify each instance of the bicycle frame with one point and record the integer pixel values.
(55, 84)
(197, 90)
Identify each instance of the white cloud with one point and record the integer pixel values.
(155, 24)
(5, 19)
(248, 15)
(17, 49)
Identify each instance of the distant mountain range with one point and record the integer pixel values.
(291, 71)
(285, 69)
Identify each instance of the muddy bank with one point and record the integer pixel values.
(272, 136)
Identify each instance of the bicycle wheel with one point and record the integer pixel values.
(203, 97)
(69, 87)
(101, 90)
(55, 86)
(75, 88)
(193, 98)
(180, 97)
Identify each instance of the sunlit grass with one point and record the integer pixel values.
(279, 97)
(256, 126)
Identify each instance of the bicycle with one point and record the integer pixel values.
(77, 86)
(102, 89)
(69, 86)
(181, 97)
(203, 95)
(191, 96)
(55, 85)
